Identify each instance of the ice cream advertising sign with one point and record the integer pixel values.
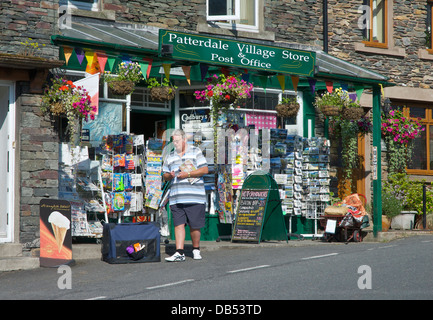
(55, 229)
(228, 52)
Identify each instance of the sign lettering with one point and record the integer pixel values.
(234, 53)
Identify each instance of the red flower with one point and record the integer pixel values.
(227, 97)
(210, 93)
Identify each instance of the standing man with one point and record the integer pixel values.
(186, 165)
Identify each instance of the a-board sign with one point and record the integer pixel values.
(250, 215)
(55, 229)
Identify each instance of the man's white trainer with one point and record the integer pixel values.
(196, 254)
(176, 257)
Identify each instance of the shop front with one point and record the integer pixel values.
(118, 174)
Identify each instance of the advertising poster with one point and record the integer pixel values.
(55, 229)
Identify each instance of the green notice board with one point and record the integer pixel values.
(259, 215)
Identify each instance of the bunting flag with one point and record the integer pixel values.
(149, 66)
(167, 67)
(91, 84)
(295, 81)
(187, 73)
(359, 90)
(111, 62)
(282, 80)
(225, 71)
(80, 55)
(102, 60)
(89, 54)
(68, 52)
(125, 58)
(245, 76)
(93, 66)
(203, 70)
(382, 92)
(312, 83)
(344, 86)
(329, 86)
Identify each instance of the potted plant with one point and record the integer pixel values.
(123, 82)
(332, 103)
(391, 207)
(399, 132)
(288, 107)
(62, 97)
(410, 193)
(163, 91)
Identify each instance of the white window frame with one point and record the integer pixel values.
(76, 4)
(231, 24)
(236, 16)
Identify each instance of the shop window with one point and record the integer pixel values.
(375, 34)
(239, 14)
(141, 100)
(422, 158)
(90, 5)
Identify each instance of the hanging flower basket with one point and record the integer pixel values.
(330, 111)
(162, 93)
(57, 108)
(287, 110)
(228, 99)
(121, 87)
(352, 113)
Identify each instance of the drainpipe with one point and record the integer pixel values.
(325, 26)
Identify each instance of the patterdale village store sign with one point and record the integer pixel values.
(199, 48)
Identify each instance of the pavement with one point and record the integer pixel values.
(83, 251)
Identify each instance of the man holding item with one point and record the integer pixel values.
(185, 166)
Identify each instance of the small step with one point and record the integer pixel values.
(18, 263)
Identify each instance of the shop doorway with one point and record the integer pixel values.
(151, 125)
(7, 160)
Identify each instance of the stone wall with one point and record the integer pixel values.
(409, 23)
(21, 20)
(38, 163)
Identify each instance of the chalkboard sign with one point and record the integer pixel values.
(250, 215)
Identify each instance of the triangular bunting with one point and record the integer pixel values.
(167, 67)
(149, 67)
(329, 86)
(344, 86)
(245, 76)
(89, 56)
(187, 73)
(80, 55)
(68, 52)
(295, 81)
(111, 62)
(282, 80)
(143, 67)
(203, 70)
(102, 60)
(359, 90)
(312, 83)
(93, 67)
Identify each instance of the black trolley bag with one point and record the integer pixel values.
(116, 238)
